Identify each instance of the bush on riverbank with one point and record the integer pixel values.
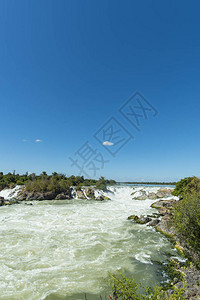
(186, 215)
(124, 288)
(187, 185)
(187, 220)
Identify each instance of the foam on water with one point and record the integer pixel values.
(66, 247)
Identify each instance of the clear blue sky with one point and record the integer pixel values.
(66, 68)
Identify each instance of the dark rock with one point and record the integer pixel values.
(7, 202)
(144, 220)
(100, 198)
(80, 194)
(163, 211)
(133, 217)
(89, 193)
(24, 195)
(62, 196)
(21, 196)
(1, 198)
(139, 220)
(154, 222)
(13, 201)
(163, 203)
(39, 196)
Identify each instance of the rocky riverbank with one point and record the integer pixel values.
(179, 272)
(19, 193)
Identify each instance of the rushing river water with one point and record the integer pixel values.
(64, 249)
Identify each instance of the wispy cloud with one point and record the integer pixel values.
(38, 141)
(24, 140)
(107, 143)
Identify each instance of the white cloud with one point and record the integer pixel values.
(107, 143)
(38, 141)
(24, 140)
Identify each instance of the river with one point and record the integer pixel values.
(63, 249)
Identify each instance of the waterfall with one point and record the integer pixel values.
(10, 193)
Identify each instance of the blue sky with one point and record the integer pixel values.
(66, 68)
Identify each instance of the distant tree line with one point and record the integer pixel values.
(55, 182)
(149, 182)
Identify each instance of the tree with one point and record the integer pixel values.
(101, 184)
(187, 185)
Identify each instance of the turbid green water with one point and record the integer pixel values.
(64, 249)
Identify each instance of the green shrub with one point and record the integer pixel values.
(186, 186)
(187, 219)
(101, 184)
(124, 288)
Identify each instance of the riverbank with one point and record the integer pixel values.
(181, 273)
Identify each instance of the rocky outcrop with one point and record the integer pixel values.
(100, 198)
(152, 196)
(63, 196)
(74, 192)
(90, 193)
(24, 195)
(80, 194)
(154, 222)
(144, 194)
(7, 202)
(164, 211)
(140, 220)
(163, 203)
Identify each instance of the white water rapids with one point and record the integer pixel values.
(63, 249)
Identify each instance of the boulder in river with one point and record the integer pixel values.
(139, 195)
(152, 196)
(154, 222)
(80, 194)
(100, 198)
(140, 220)
(89, 193)
(163, 203)
(164, 193)
(62, 196)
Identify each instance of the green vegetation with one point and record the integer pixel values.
(172, 270)
(186, 215)
(124, 288)
(55, 182)
(187, 185)
(102, 183)
(187, 220)
(149, 182)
